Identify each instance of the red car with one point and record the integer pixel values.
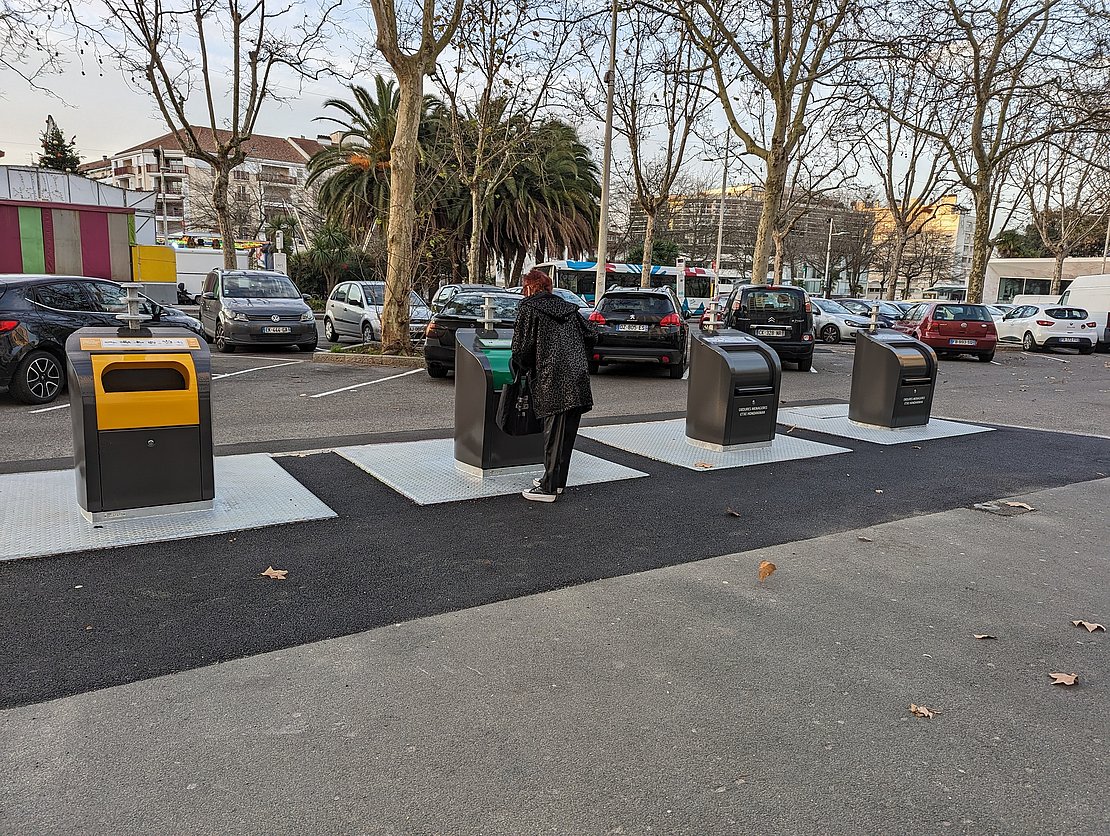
(952, 328)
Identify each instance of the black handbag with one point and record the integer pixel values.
(515, 413)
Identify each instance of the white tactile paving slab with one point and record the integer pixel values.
(665, 441)
(832, 419)
(425, 471)
(40, 517)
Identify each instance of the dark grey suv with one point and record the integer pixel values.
(255, 307)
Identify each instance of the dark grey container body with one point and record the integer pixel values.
(732, 397)
(893, 380)
(481, 445)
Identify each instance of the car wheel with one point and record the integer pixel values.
(805, 365)
(367, 332)
(39, 379)
(222, 345)
(986, 358)
(678, 371)
(830, 334)
(329, 331)
(436, 370)
(1028, 343)
(595, 368)
(309, 347)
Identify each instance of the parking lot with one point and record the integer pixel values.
(279, 400)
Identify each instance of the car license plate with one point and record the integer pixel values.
(961, 342)
(632, 327)
(276, 329)
(770, 332)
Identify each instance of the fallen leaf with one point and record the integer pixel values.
(1090, 625)
(878, 490)
(732, 513)
(916, 446)
(792, 429)
(276, 574)
(865, 539)
(1024, 505)
(982, 636)
(923, 711)
(766, 569)
(1064, 678)
(703, 465)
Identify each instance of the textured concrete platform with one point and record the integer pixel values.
(832, 419)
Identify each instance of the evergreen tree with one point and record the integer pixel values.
(57, 153)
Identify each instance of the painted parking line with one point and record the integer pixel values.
(256, 369)
(366, 383)
(50, 408)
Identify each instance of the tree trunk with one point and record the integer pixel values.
(220, 188)
(649, 243)
(1058, 272)
(518, 267)
(402, 215)
(981, 245)
(779, 246)
(772, 198)
(474, 251)
(896, 251)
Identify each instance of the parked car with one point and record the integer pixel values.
(833, 322)
(447, 291)
(996, 313)
(780, 316)
(1092, 293)
(354, 309)
(1049, 326)
(463, 310)
(640, 325)
(722, 302)
(39, 312)
(952, 328)
(255, 307)
(888, 313)
(584, 307)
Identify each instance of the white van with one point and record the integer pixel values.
(1033, 299)
(1093, 294)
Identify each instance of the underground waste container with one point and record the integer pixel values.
(482, 367)
(142, 421)
(893, 378)
(732, 399)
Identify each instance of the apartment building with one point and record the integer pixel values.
(271, 181)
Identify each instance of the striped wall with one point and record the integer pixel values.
(75, 241)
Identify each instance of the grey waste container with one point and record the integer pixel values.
(142, 421)
(893, 378)
(482, 368)
(732, 398)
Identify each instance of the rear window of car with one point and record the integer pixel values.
(649, 304)
(1066, 313)
(961, 313)
(470, 305)
(772, 300)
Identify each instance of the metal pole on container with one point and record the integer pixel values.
(607, 157)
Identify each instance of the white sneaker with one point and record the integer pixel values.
(537, 482)
(537, 495)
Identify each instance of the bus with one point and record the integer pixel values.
(693, 288)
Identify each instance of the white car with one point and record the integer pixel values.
(832, 322)
(1049, 326)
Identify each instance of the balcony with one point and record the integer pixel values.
(123, 170)
(272, 177)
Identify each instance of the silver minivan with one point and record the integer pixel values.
(253, 307)
(354, 309)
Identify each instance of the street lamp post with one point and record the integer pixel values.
(607, 157)
(828, 258)
(721, 222)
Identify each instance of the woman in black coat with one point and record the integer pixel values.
(551, 343)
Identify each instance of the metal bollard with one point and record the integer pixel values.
(874, 318)
(133, 318)
(487, 312)
(713, 321)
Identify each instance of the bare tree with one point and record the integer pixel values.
(410, 42)
(28, 30)
(218, 55)
(772, 61)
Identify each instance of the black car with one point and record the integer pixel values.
(463, 310)
(448, 291)
(888, 313)
(39, 312)
(640, 325)
(779, 316)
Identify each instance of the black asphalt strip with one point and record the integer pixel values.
(78, 622)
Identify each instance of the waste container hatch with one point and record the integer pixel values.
(893, 379)
(119, 378)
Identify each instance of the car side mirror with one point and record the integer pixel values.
(155, 312)
(208, 294)
(306, 296)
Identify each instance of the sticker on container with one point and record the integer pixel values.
(138, 343)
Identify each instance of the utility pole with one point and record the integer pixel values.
(828, 258)
(607, 158)
(721, 222)
(162, 194)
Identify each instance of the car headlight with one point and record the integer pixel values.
(238, 316)
(855, 323)
(308, 316)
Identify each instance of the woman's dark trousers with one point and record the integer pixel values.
(559, 431)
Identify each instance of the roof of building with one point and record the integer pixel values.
(94, 165)
(259, 146)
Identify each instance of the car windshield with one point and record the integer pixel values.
(829, 306)
(376, 294)
(772, 300)
(961, 313)
(995, 311)
(652, 304)
(1066, 313)
(574, 298)
(469, 306)
(259, 286)
(886, 309)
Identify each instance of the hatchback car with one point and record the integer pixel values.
(640, 325)
(255, 307)
(952, 328)
(447, 292)
(779, 316)
(888, 313)
(354, 309)
(1049, 326)
(833, 322)
(463, 310)
(39, 312)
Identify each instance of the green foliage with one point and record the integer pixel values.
(662, 252)
(58, 153)
(1012, 243)
(330, 259)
